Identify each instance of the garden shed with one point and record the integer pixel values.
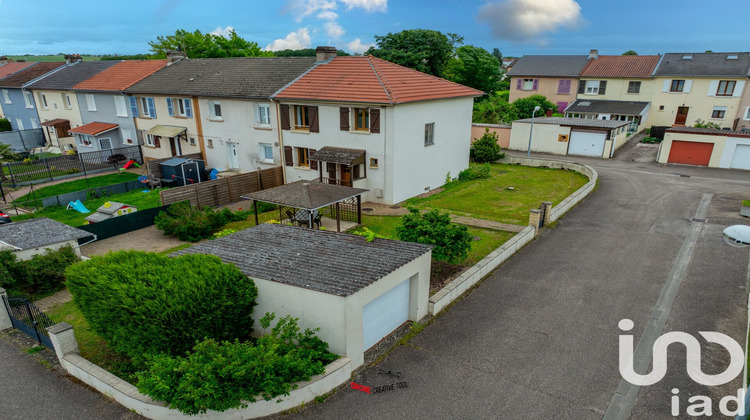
(32, 237)
(356, 292)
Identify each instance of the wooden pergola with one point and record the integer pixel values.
(309, 196)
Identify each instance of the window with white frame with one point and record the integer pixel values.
(149, 139)
(68, 102)
(90, 102)
(121, 107)
(179, 107)
(264, 114)
(127, 135)
(719, 112)
(429, 134)
(84, 140)
(265, 152)
(528, 84)
(592, 87)
(6, 96)
(147, 107)
(19, 123)
(43, 100)
(747, 114)
(214, 110)
(28, 98)
(34, 122)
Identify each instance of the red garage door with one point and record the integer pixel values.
(690, 153)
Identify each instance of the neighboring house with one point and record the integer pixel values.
(569, 136)
(235, 120)
(706, 147)
(693, 86)
(553, 76)
(106, 112)
(616, 87)
(35, 236)
(57, 104)
(18, 104)
(368, 123)
(743, 112)
(357, 292)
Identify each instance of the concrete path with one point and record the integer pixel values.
(45, 304)
(539, 337)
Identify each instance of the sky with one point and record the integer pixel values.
(515, 27)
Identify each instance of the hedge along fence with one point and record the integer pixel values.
(225, 190)
(64, 199)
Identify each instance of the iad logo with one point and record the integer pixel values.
(701, 405)
(693, 362)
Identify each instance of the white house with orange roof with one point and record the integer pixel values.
(365, 122)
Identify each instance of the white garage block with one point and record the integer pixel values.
(386, 313)
(741, 157)
(586, 143)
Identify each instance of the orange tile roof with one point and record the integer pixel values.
(94, 128)
(621, 66)
(371, 80)
(12, 67)
(122, 75)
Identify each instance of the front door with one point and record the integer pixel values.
(346, 176)
(105, 145)
(682, 112)
(173, 146)
(234, 160)
(331, 172)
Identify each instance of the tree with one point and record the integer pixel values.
(630, 52)
(7, 154)
(5, 125)
(452, 241)
(424, 50)
(200, 45)
(474, 67)
(497, 54)
(494, 109)
(485, 149)
(525, 106)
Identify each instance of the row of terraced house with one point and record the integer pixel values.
(357, 121)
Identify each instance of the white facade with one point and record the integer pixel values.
(238, 134)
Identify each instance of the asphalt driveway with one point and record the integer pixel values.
(539, 337)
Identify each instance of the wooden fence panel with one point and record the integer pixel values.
(224, 190)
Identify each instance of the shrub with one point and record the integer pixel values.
(5, 125)
(525, 106)
(475, 171)
(40, 276)
(699, 123)
(72, 171)
(27, 161)
(485, 149)
(224, 232)
(193, 224)
(651, 140)
(452, 241)
(746, 203)
(117, 157)
(222, 375)
(145, 303)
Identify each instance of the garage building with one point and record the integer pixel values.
(570, 136)
(706, 147)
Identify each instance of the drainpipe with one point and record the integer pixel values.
(281, 141)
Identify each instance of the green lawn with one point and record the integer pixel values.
(78, 185)
(71, 217)
(490, 198)
(250, 221)
(39, 171)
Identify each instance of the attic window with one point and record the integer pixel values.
(687, 57)
(584, 103)
(732, 57)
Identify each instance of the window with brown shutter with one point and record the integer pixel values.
(288, 155)
(285, 123)
(375, 121)
(344, 119)
(157, 142)
(313, 163)
(314, 125)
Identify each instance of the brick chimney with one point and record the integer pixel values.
(174, 56)
(325, 53)
(73, 58)
(594, 54)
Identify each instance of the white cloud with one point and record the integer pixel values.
(357, 47)
(334, 30)
(523, 20)
(304, 8)
(222, 31)
(328, 15)
(369, 5)
(294, 41)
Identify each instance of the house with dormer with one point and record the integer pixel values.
(368, 123)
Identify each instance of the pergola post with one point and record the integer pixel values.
(359, 209)
(255, 210)
(281, 218)
(338, 218)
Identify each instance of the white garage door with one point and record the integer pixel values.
(741, 157)
(587, 143)
(385, 314)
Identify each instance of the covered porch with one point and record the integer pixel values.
(313, 204)
(340, 166)
(57, 133)
(170, 132)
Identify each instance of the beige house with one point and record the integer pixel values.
(569, 136)
(706, 147)
(743, 112)
(699, 86)
(553, 76)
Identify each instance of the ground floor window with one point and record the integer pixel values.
(303, 156)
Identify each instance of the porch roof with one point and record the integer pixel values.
(339, 155)
(56, 122)
(307, 195)
(591, 106)
(166, 130)
(94, 128)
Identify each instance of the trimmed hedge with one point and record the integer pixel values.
(145, 303)
(193, 224)
(40, 276)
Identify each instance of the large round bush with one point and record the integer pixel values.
(145, 303)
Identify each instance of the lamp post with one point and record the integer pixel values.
(528, 150)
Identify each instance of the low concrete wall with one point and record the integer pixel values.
(573, 199)
(128, 396)
(473, 275)
(502, 131)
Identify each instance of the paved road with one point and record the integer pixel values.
(539, 337)
(29, 390)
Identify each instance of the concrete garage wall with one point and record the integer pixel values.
(128, 396)
(502, 131)
(730, 145)
(28, 254)
(544, 141)
(718, 140)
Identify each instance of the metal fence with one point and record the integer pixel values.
(21, 141)
(26, 317)
(122, 224)
(64, 199)
(65, 166)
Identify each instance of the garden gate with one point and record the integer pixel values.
(26, 317)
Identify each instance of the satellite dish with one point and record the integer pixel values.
(737, 235)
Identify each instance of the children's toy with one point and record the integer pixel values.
(109, 210)
(78, 206)
(130, 163)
